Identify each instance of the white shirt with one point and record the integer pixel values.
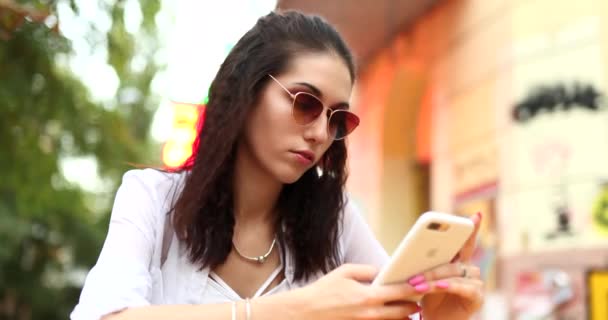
(128, 272)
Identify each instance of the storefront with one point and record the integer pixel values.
(493, 106)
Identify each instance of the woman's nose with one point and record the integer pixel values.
(317, 131)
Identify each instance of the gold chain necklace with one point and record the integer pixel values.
(259, 259)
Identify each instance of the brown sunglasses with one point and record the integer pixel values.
(307, 108)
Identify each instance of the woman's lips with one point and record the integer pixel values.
(304, 156)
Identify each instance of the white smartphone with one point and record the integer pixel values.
(435, 239)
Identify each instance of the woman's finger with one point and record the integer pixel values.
(466, 253)
(469, 289)
(449, 270)
(390, 311)
(393, 293)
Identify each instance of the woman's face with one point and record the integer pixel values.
(273, 139)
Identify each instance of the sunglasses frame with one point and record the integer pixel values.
(332, 111)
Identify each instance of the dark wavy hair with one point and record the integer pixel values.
(310, 209)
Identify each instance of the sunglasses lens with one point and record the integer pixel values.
(306, 108)
(342, 123)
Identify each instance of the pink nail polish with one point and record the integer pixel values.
(416, 280)
(421, 287)
(442, 284)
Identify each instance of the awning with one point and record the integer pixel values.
(367, 25)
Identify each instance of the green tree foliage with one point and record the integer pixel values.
(49, 227)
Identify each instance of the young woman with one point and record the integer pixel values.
(257, 225)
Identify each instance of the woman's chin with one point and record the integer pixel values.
(289, 176)
(290, 179)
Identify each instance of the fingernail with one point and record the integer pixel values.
(416, 280)
(442, 284)
(476, 217)
(421, 287)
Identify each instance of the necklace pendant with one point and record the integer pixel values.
(261, 259)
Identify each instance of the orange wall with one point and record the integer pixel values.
(445, 89)
(465, 64)
(383, 155)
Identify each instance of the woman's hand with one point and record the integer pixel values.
(452, 291)
(345, 294)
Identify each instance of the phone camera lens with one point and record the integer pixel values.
(434, 226)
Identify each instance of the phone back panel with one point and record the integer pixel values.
(423, 249)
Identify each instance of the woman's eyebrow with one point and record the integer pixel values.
(312, 88)
(319, 94)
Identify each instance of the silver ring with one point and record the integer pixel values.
(464, 271)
